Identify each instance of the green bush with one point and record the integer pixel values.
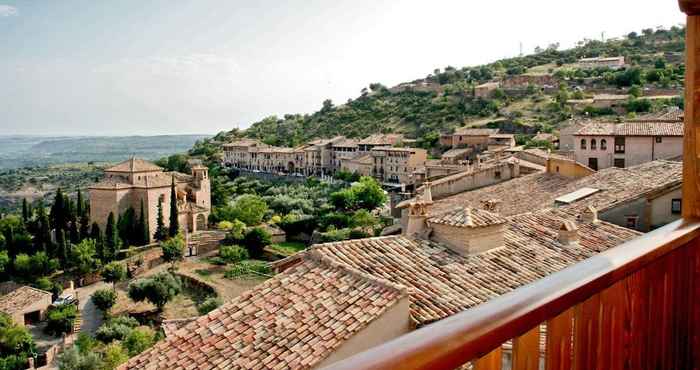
(117, 328)
(104, 299)
(255, 241)
(208, 305)
(247, 268)
(233, 253)
(60, 319)
(139, 340)
(157, 289)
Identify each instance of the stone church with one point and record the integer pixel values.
(129, 183)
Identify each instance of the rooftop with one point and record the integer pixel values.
(134, 165)
(468, 217)
(381, 139)
(539, 190)
(456, 152)
(442, 283)
(465, 131)
(294, 320)
(637, 128)
(242, 142)
(18, 299)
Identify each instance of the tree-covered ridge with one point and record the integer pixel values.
(443, 100)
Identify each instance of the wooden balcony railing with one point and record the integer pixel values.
(636, 306)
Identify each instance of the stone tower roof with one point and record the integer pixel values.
(134, 165)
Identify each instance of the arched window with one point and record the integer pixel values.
(603, 144)
(593, 144)
(583, 143)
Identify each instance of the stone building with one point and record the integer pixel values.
(136, 181)
(601, 145)
(396, 165)
(598, 62)
(24, 304)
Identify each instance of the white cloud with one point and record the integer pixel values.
(7, 11)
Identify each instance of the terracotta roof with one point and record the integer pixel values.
(292, 321)
(346, 143)
(643, 128)
(465, 131)
(134, 165)
(456, 152)
(20, 298)
(668, 114)
(381, 139)
(243, 142)
(442, 283)
(502, 136)
(538, 190)
(468, 217)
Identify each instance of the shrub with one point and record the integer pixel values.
(255, 240)
(114, 272)
(60, 319)
(157, 289)
(358, 234)
(248, 267)
(117, 328)
(173, 249)
(139, 340)
(104, 299)
(233, 253)
(208, 305)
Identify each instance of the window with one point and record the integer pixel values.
(583, 143)
(497, 174)
(594, 145)
(603, 144)
(557, 169)
(593, 163)
(632, 222)
(619, 162)
(658, 139)
(620, 144)
(676, 206)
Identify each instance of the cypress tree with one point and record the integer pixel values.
(174, 222)
(96, 235)
(111, 238)
(58, 211)
(142, 227)
(160, 228)
(74, 235)
(84, 226)
(79, 205)
(44, 236)
(10, 243)
(25, 210)
(62, 247)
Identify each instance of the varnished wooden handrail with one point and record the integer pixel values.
(471, 334)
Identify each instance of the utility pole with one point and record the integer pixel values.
(521, 49)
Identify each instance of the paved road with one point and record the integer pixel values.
(92, 317)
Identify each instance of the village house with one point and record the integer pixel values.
(601, 145)
(24, 304)
(377, 140)
(500, 142)
(475, 138)
(602, 62)
(238, 153)
(396, 165)
(135, 182)
(337, 299)
(361, 165)
(343, 150)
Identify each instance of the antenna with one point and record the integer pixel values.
(602, 36)
(521, 49)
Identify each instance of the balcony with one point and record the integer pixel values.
(636, 306)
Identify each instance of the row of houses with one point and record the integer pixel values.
(378, 155)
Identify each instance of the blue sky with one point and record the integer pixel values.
(155, 67)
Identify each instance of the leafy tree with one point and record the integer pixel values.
(114, 272)
(104, 299)
(363, 219)
(160, 233)
(366, 194)
(4, 262)
(173, 249)
(113, 356)
(255, 241)
(112, 242)
(249, 209)
(73, 359)
(157, 289)
(174, 226)
(116, 328)
(16, 344)
(60, 319)
(83, 257)
(139, 340)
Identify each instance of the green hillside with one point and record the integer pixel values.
(443, 100)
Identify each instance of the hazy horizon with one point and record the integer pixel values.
(161, 67)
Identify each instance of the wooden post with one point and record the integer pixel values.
(691, 146)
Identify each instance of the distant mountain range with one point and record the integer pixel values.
(32, 151)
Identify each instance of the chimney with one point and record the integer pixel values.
(417, 216)
(590, 215)
(468, 231)
(491, 205)
(427, 192)
(568, 233)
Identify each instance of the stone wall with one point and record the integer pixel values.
(475, 179)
